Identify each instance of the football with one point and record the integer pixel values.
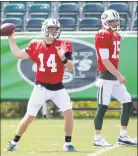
(7, 29)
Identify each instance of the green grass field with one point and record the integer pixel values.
(46, 137)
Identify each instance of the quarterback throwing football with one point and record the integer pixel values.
(51, 56)
(109, 80)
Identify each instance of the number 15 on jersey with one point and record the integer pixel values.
(116, 49)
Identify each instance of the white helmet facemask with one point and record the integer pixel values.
(51, 22)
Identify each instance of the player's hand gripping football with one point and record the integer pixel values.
(11, 36)
(62, 50)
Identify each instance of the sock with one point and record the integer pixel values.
(68, 140)
(123, 132)
(14, 143)
(97, 136)
(16, 139)
(68, 143)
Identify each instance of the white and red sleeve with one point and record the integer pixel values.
(103, 45)
(31, 50)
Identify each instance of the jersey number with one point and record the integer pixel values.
(116, 49)
(50, 63)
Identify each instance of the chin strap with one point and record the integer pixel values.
(114, 29)
(120, 32)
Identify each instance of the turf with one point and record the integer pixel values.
(46, 137)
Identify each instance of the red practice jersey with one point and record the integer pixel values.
(50, 68)
(105, 39)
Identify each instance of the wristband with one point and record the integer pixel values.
(65, 61)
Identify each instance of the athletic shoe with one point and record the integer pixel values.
(11, 147)
(68, 148)
(101, 142)
(126, 140)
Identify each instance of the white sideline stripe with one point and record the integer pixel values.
(106, 149)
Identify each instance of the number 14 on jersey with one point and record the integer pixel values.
(50, 63)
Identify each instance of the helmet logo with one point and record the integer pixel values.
(104, 16)
(45, 22)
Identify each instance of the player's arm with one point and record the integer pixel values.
(16, 51)
(68, 61)
(104, 53)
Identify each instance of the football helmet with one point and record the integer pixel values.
(51, 22)
(110, 15)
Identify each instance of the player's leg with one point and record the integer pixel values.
(62, 100)
(36, 101)
(103, 100)
(121, 94)
(68, 117)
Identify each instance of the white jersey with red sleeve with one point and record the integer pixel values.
(107, 46)
(50, 68)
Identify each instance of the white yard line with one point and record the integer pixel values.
(106, 149)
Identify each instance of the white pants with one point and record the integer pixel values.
(106, 88)
(40, 95)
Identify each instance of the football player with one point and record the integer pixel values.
(51, 56)
(109, 80)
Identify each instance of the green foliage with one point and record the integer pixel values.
(18, 109)
(10, 109)
(93, 104)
